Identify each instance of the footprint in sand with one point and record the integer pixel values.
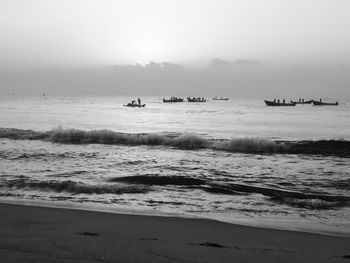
(148, 238)
(211, 244)
(89, 234)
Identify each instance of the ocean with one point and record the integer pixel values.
(238, 161)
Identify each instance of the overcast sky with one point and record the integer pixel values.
(59, 32)
(261, 47)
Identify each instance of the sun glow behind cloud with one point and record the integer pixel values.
(147, 48)
(137, 31)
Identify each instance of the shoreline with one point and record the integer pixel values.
(42, 234)
(264, 223)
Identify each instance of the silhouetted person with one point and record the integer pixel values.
(284, 101)
(139, 101)
(302, 100)
(274, 100)
(278, 101)
(320, 100)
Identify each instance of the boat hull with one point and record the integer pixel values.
(304, 102)
(196, 100)
(135, 105)
(318, 103)
(172, 101)
(271, 103)
(221, 99)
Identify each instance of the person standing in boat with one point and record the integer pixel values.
(139, 101)
(284, 101)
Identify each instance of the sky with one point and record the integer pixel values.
(294, 34)
(50, 32)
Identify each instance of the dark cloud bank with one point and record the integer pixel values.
(240, 78)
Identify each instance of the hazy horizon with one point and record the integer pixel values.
(234, 48)
(240, 79)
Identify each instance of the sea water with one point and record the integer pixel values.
(237, 160)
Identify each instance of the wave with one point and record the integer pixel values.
(341, 184)
(312, 204)
(140, 184)
(291, 198)
(183, 141)
(34, 155)
(158, 180)
(19, 155)
(279, 193)
(76, 187)
(251, 145)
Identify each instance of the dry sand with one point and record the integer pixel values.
(40, 234)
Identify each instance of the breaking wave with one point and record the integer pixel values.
(158, 180)
(77, 187)
(140, 184)
(182, 141)
(291, 198)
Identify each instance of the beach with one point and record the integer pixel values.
(163, 131)
(85, 179)
(42, 234)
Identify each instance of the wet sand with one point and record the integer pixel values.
(41, 234)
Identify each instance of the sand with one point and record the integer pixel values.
(41, 234)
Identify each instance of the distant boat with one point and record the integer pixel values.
(216, 98)
(135, 105)
(319, 103)
(189, 99)
(304, 102)
(273, 103)
(173, 99)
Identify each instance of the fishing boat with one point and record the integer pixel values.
(173, 99)
(304, 102)
(273, 103)
(216, 98)
(135, 105)
(189, 99)
(320, 103)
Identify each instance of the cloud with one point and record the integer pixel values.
(247, 62)
(218, 63)
(241, 78)
(151, 66)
